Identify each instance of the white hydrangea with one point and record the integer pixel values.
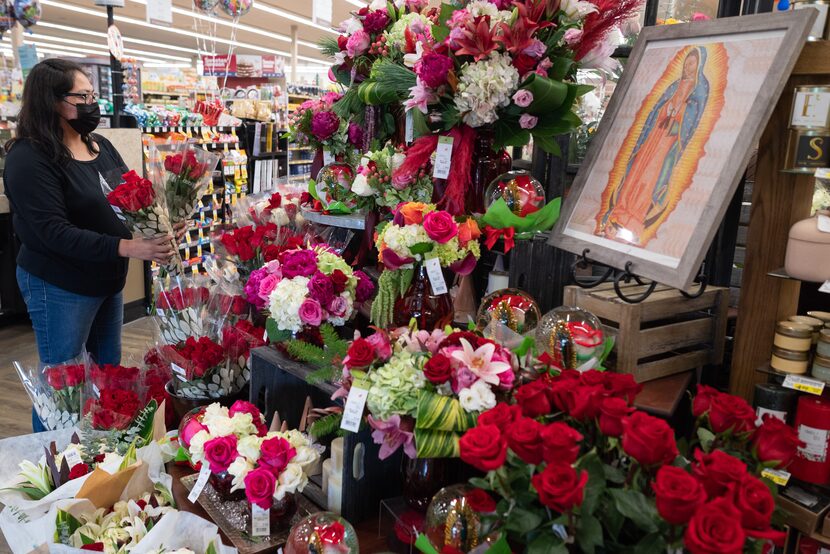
(396, 36)
(484, 87)
(477, 398)
(250, 447)
(285, 302)
(400, 239)
(484, 7)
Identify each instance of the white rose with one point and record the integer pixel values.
(351, 26)
(221, 427)
(485, 394)
(296, 438)
(468, 399)
(292, 479)
(250, 447)
(243, 424)
(197, 445)
(239, 469)
(305, 457)
(279, 217)
(360, 186)
(397, 160)
(213, 412)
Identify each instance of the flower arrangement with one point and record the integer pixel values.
(425, 389)
(306, 287)
(250, 246)
(201, 369)
(374, 178)
(573, 462)
(315, 124)
(416, 233)
(280, 208)
(114, 396)
(185, 175)
(37, 480)
(55, 390)
(179, 302)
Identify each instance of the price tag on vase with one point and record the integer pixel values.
(260, 522)
(804, 384)
(436, 276)
(355, 402)
(200, 483)
(443, 158)
(823, 223)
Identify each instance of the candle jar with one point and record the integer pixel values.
(821, 368)
(793, 336)
(823, 344)
(812, 421)
(824, 316)
(790, 361)
(774, 400)
(813, 322)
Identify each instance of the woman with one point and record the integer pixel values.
(72, 264)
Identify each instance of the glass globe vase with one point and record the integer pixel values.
(514, 308)
(522, 193)
(334, 184)
(572, 337)
(322, 532)
(451, 522)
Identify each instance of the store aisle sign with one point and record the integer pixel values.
(115, 42)
(160, 12)
(321, 12)
(113, 3)
(234, 65)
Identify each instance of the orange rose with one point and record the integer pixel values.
(413, 213)
(467, 231)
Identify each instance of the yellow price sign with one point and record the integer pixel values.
(777, 476)
(804, 384)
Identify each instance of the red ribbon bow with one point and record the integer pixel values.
(494, 234)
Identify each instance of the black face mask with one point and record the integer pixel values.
(89, 116)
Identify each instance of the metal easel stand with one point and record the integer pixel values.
(624, 276)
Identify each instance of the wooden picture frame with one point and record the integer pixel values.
(675, 140)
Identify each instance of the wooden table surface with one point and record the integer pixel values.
(367, 531)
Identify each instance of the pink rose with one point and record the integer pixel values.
(506, 379)
(220, 453)
(536, 49)
(276, 452)
(416, 5)
(527, 121)
(311, 313)
(339, 306)
(380, 342)
(190, 429)
(440, 226)
(357, 44)
(267, 285)
(259, 487)
(243, 407)
(463, 379)
(523, 98)
(572, 37)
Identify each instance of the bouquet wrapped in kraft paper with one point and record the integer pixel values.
(55, 390)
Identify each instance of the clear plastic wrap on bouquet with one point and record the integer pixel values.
(56, 390)
(280, 206)
(238, 339)
(184, 172)
(227, 303)
(114, 396)
(180, 302)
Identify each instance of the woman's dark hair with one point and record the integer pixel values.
(38, 120)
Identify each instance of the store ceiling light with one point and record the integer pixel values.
(292, 17)
(67, 28)
(88, 51)
(138, 22)
(357, 3)
(43, 37)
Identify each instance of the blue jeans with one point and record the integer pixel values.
(65, 323)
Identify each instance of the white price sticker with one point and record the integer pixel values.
(159, 312)
(199, 486)
(72, 458)
(443, 158)
(179, 371)
(777, 476)
(804, 384)
(436, 276)
(353, 412)
(328, 158)
(824, 223)
(260, 521)
(410, 127)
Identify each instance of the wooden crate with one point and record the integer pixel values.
(666, 334)
(279, 384)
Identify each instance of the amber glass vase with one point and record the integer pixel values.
(430, 310)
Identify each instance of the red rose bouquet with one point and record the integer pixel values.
(201, 369)
(573, 462)
(238, 339)
(180, 303)
(114, 396)
(183, 172)
(251, 246)
(55, 390)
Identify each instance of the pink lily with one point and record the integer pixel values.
(392, 434)
(480, 361)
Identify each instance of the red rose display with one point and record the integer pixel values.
(438, 369)
(678, 494)
(703, 400)
(502, 415)
(276, 452)
(361, 354)
(560, 486)
(483, 447)
(524, 437)
(755, 502)
(220, 453)
(480, 501)
(718, 471)
(533, 398)
(731, 413)
(648, 439)
(259, 487)
(715, 529)
(622, 385)
(560, 443)
(774, 440)
(583, 402)
(612, 411)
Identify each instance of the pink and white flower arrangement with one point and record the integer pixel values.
(316, 124)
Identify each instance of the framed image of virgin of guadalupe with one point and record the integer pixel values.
(675, 140)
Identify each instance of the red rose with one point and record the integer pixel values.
(612, 411)
(560, 443)
(259, 487)
(524, 63)
(648, 439)
(715, 529)
(220, 453)
(341, 42)
(774, 440)
(483, 447)
(524, 437)
(480, 501)
(678, 494)
(74, 375)
(501, 415)
(78, 470)
(55, 377)
(583, 402)
(276, 452)
(728, 412)
(559, 486)
(361, 354)
(533, 398)
(755, 502)
(559, 389)
(438, 369)
(94, 547)
(622, 385)
(339, 280)
(703, 400)
(440, 226)
(718, 471)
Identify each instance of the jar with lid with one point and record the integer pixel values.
(824, 316)
(790, 361)
(821, 368)
(793, 336)
(815, 323)
(823, 345)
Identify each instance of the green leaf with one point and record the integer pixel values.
(442, 31)
(480, 483)
(561, 67)
(613, 474)
(706, 438)
(500, 216)
(86, 540)
(442, 413)
(634, 505)
(423, 544)
(612, 518)
(312, 189)
(275, 334)
(651, 544)
(588, 534)
(522, 521)
(421, 248)
(325, 426)
(596, 483)
(31, 492)
(211, 549)
(548, 144)
(431, 443)
(546, 543)
(548, 94)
